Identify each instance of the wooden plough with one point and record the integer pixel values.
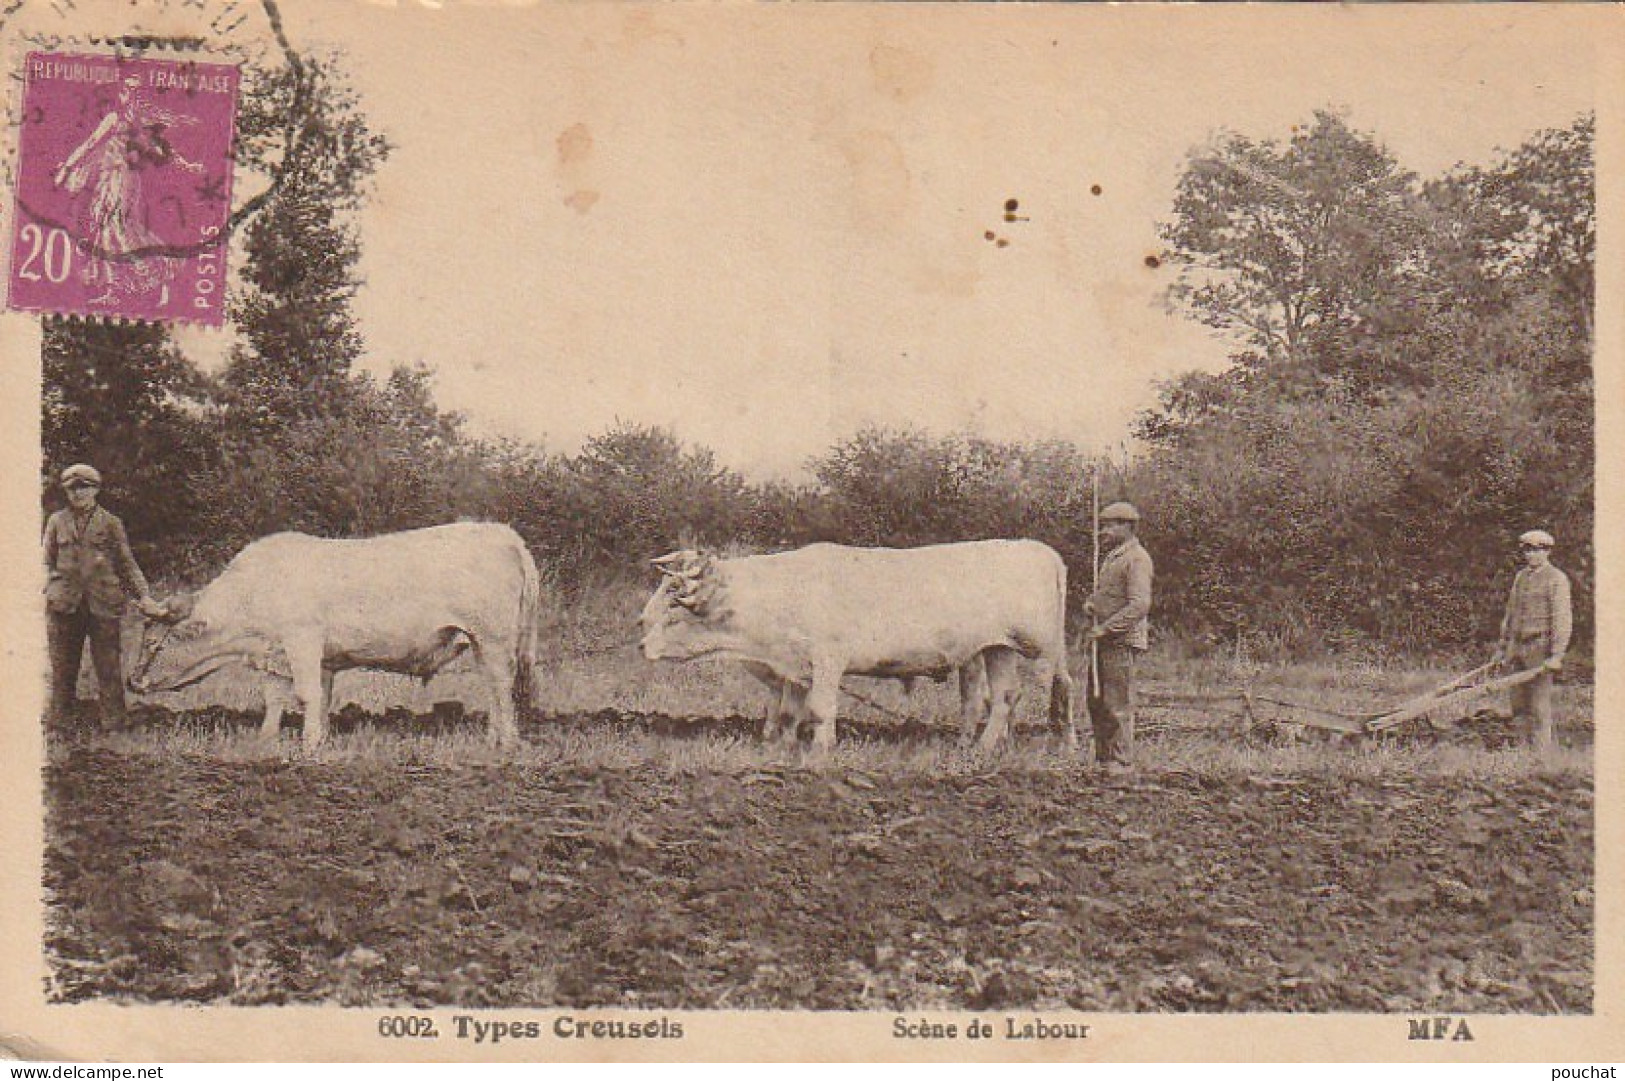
(1444, 702)
(1440, 706)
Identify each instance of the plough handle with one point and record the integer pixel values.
(1463, 680)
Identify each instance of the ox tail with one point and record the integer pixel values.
(526, 685)
(1060, 687)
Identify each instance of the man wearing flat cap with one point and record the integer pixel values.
(1535, 633)
(1118, 611)
(89, 571)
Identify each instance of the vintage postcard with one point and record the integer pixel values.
(601, 531)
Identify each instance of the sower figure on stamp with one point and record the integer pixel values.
(110, 162)
(89, 571)
(1118, 611)
(1535, 633)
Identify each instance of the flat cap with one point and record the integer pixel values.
(1120, 512)
(79, 475)
(1536, 538)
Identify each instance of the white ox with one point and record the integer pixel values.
(300, 608)
(803, 620)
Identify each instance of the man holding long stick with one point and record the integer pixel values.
(1119, 633)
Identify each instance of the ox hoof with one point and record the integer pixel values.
(815, 753)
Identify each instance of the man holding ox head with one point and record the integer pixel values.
(89, 571)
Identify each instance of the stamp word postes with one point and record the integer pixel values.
(124, 171)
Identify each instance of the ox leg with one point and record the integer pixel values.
(792, 708)
(278, 692)
(309, 684)
(823, 701)
(1060, 703)
(503, 729)
(773, 721)
(1002, 691)
(973, 700)
(777, 688)
(499, 673)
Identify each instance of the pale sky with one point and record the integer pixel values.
(765, 226)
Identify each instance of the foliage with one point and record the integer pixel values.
(1289, 245)
(1410, 387)
(1412, 390)
(123, 398)
(300, 341)
(305, 442)
(632, 493)
(906, 488)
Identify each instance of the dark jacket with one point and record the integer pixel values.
(91, 566)
(1122, 598)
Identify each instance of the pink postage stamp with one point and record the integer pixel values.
(124, 171)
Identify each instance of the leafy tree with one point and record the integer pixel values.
(1288, 245)
(306, 442)
(1359, 479)
(904, 488)
(1530, 222)
(122, 396)
(632, 493)
(300, 341)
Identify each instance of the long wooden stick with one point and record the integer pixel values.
(1094, 576)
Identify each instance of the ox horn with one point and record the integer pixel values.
(697, 590)
(683, 564)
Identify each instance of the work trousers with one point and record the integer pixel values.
(65, 639)
(1111, 712)
(1532, 701)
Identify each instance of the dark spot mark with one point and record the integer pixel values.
(1001, 243)
(988, 235)
(1153, 262)
(1094, 189)
(1011, 206)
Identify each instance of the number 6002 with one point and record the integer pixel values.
(396, 1026)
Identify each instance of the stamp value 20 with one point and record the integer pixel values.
(124, 171)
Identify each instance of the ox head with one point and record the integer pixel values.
(177, 649)
(677, 620)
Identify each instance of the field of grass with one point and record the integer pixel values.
(590, 666)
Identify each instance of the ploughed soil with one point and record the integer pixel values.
(176, 875)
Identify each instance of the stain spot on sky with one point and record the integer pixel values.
(1153, 262)
(1095, 189)
(575, 144)
(899, 73)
